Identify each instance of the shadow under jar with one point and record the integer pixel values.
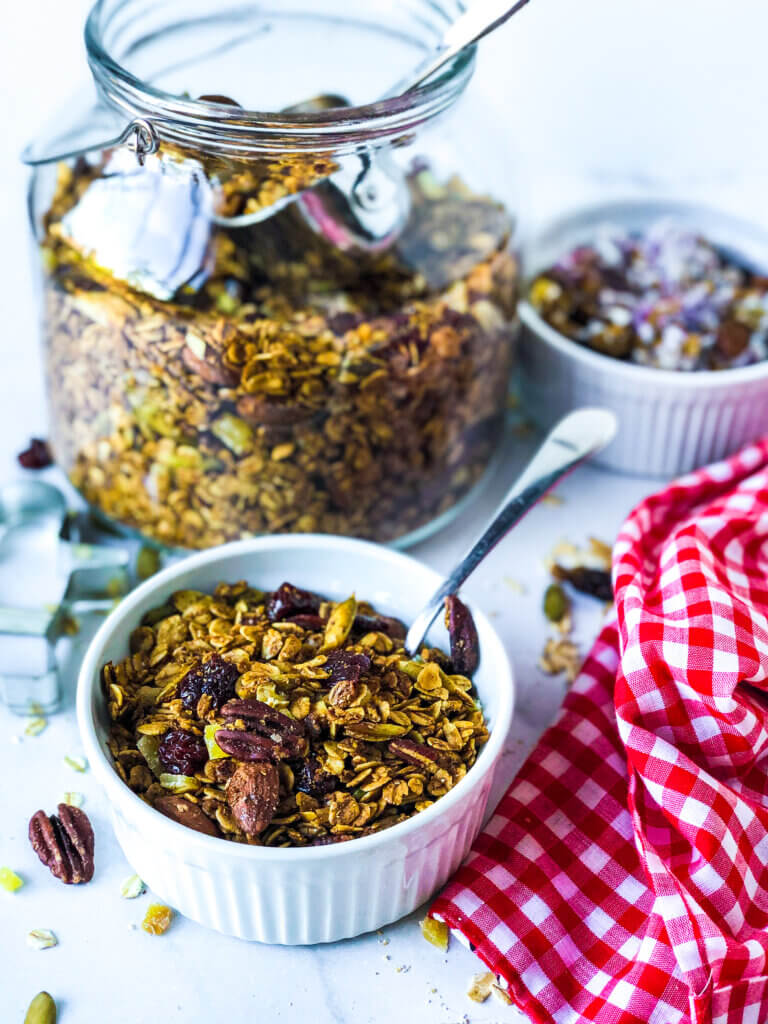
(214, 373)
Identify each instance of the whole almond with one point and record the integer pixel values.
(253, 794)
(186, 813)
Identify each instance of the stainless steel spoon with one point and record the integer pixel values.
(577, 436)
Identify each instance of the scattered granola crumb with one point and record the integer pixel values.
(132, 887)
(74, 799)
(41, 938)
(383, 940)
(78, 764)
(481, 986)
(157, 919)
(553, 499)
(9, 880)
(403, 969)
(36, 725)
(501, 994)
(69, 625)
(560, 656)
(513, 584)
(436, 932)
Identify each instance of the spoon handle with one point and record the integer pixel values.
(571, 441)
(469, 28)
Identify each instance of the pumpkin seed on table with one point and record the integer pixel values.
(42, 1010)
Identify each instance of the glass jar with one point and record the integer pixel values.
(216, 371)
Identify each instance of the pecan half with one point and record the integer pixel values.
(418, 754)
(253, 794)
(251, 746)
(64, 843)
(465, 647)
(263, 718)
(186, 813)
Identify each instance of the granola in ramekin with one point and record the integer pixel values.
(285, 719)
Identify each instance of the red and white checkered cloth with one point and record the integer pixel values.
(623, 879)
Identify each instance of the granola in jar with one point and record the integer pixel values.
(285, 719)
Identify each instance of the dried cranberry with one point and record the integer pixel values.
(465, 648)
(311, 622)
(216, 677)
(182, 753)
(346, 665)
(288, 600)
(313, 780)
(379, 624)
(37, 456)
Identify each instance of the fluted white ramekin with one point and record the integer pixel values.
(669, 422)
(318, 894)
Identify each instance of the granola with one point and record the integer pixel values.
(285, 719)
(289, 386)
(666, 298)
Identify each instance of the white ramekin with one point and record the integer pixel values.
(318, 894)
(670, 422)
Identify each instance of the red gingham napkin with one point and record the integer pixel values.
(624, 876)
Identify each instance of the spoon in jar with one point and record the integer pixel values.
(577, 436)
(365, 203)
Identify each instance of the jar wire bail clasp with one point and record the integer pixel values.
(139, 136)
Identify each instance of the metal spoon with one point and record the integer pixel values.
(577, 436)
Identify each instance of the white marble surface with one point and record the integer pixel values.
(546, 77)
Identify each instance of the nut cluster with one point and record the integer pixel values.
(286, 719)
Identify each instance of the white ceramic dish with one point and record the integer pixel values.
(318, 894)
(669, 422)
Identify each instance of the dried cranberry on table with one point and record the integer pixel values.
(36, 456)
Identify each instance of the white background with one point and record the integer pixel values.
(607, 92)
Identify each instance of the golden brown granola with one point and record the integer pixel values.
(285, 719)
(297, 387)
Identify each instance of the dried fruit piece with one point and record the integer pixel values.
(312, 780)
(556, 603)
(214, 676)
(481, 986)
(157, 919)
(41, 938)
(365, 623)
(42, 1010)
(186, 813)
(288, 600)
(36, 456)
(595, 582)
(182, 753)
(64, 843)
(9, 880)
(436, 932)
(132, 887)
(253, 794)
(346, 665)
(465, 648)
(209, 736)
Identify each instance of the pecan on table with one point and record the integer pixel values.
(64, 843)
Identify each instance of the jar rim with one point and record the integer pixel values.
(225, 128)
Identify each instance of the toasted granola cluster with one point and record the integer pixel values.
(284, 719)
(293, 387)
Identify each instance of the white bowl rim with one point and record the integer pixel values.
(118, 791)
(677, 379)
